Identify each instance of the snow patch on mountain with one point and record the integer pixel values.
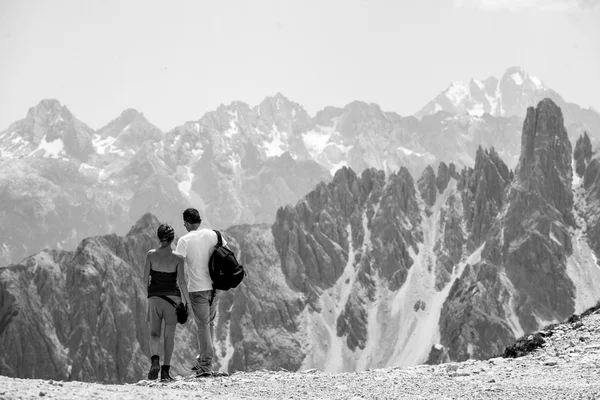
(537, 82)
(477, 110)
(410, 152)
(233, 127)
(517, 78)
(11, 144)
(315, 141)
(276, 146)
(103, 145)
(457, 92)
(185, 186)
(52, 149)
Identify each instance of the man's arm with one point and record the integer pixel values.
(181, 280)
(181, 247)
(146, 278)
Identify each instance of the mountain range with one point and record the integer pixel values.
(374, 267)
(61, 181)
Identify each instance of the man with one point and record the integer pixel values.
(196, 247)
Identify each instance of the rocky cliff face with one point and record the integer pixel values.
(588, 191)
(582, 153)
(528, 272)
(259, 324)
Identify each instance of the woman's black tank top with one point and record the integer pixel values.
(163, 283)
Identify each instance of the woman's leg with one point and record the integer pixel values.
(155, 321)
(169, 342)
(155, 325)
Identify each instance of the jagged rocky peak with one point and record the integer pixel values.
(236, 110)
(483, 193)
(430, 185)
(326, 115)
(305, 234)
(516, 76)
(490, 84)
(130, 119)
(48, 113)
(279, 105)
(131, 130)
(146, 223)
(47, 107)
(445, 173)
(545, 162)
(582, 153)
(129, 115)
(427, 185)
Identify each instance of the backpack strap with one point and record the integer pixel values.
(168, 300)
(219, 240)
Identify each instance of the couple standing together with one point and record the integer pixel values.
(183, 272)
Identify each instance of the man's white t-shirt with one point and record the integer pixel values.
(197, 247)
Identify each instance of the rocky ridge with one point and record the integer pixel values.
(376, 270)
(239, 164)
(529, 270)
(511, 95)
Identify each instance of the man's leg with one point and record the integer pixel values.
(202, 315)
(213, 316)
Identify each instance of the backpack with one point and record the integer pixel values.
(225, 271)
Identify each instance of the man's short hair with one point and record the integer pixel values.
(192, 216)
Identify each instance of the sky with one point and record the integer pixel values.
(176, 60)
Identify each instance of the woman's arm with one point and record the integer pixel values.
(146, 279)
(181, 279)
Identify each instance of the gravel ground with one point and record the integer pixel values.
(566, 367)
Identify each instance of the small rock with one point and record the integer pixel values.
(309, 371)
(577, 325)
(492, 380)
(42, 394)
(451, 367)
(551, 362)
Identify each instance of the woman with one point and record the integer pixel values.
(163, 276)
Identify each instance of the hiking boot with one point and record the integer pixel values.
(219, 374)
(196, 366)
(203, 374)
(154, 367)
(165, 375)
